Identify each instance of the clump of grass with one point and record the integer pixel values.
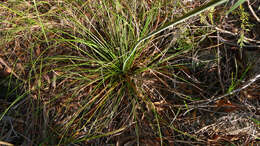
(115, 61)
(103, 43)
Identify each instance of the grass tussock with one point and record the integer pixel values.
(127, 72)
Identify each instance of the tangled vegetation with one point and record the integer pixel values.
(129, 72)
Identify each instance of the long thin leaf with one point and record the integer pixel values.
(237, 4)
(128, 62)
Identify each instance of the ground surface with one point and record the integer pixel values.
(65, 77)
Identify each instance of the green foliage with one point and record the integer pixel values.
(111, 52)
(245, 26)
(114, 48)
(190, 14)
(103, 46)
(236, 5)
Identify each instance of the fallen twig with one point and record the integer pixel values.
(232, 33)
(252, 11)
(5, 143)
(205, 103)
(233, 43)
(251, 81)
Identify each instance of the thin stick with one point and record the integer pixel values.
(251, 81)
(205, 103)
(219, 67)
(232, 33)
(252, 11)
(5, 143)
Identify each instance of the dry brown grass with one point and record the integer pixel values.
(205, 96)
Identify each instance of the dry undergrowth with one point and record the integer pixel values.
(191, 102)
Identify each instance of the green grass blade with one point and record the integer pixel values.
(238, 3)
(41, 24)
(12, 104)
(128, 62)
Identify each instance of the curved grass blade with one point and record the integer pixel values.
(129, 61)
(12, 104)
